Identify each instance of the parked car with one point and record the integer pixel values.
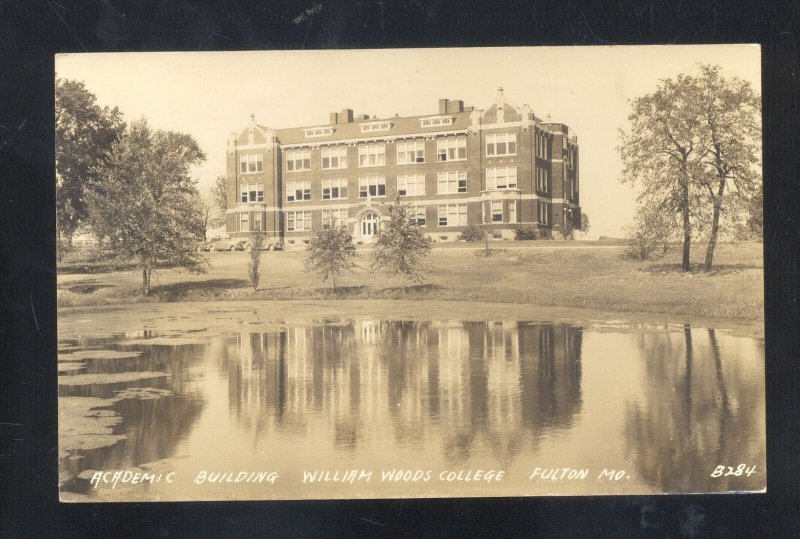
(266, 246)
(222, 244)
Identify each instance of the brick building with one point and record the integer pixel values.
(460, 166)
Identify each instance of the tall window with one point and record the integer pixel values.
(335, 218)
(451, 149)
(371, 155)
(244, 221)
(410, 184)
(501, 178)
(298, 160)
(258, 221)
(544, 213)
(252, 193)
(418, 215)
(334, 157)
(410, 152)
(452, 214)
(497, 211)
(374, 186)
(451, 182)
(334, 189)
(250, 163)
(298, 220)
(541, 179)
(501, 144)
(512, 211)
(298, 190)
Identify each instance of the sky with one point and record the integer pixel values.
(211, 94)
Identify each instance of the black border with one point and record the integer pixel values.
(32, 31)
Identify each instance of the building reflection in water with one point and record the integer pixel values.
(460, 385)
(702, 407)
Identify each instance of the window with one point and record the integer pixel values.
(418, 215)
(542, 176)
(334, 189)
(380, 126)
(501, 144)
(451, 182)
(373, 186)
(410, 152)
(451, 149)
(334, 157)
(252, 193)
(544, 213)
(371, 155)
(298, 160)
(512, 211)
(244, 222)
(497, 211)
(542, 145)
(436, 122)
(298, 220)
(258, 221)
(334, 218)
(410, 184)
(501, 178)
(298, 190)
(452, 214)
(318, 132)
(250, 163)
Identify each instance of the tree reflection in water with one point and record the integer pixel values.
(461, 385)
(699, 411)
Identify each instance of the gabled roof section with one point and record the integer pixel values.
(501, 111)
(252, 134)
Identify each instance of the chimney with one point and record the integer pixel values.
(456, 105)
(443, 106)
(334, 118)
(346, 116)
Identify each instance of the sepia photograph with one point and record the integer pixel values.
(410, 273)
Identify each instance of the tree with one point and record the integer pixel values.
(142, 202)
(84, 135)
(219, 202)
(205, 212)
(330, 252)
(729, 113)
(585, 223)
(254, 264)
(401, 247)
(659, 155)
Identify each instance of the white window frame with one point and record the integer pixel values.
(298, 190)
(496, 210)
(292, 221)
(244, 221)
(365, 185)
(418, 215)
(448, 149)
(459, 211)
(375, 126)
(543, 213)
(411, 184)
(318, 132)
(494, 175)
(336, 189)
(298, 160)
(495, 140)
(410, 152)
(436, 122)
(337, 153)
(248, 189)
(512, 211)
(258, 221)
(248, 161)
(541, 179)
(454, 182)
(372, 155)
(334, 216)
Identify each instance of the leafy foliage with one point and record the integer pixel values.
(527, 232)
(401, 248)
(585, 223)
(254, 263)
(218, 203)
(473, 233)
(84, 135)
(143, 201)
(330, 252)
(646, 240)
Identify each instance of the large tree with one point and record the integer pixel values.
(729, 114)
(219, 202)
(143, 202)
(330, 252)
(401, 248)
(84, 135)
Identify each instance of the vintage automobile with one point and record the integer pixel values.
(221, 244)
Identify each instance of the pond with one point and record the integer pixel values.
(359, 407)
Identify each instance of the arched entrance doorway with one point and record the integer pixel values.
(369, 226)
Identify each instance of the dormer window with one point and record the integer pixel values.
(375, 126)
(318, 132)
(438, 121)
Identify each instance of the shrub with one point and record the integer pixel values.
(473, 233)
(646, 242)
(254, 264)
(527, 232)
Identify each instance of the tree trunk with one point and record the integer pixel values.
(712, 240)
(145, 281)
(687, 230)
(333, 282)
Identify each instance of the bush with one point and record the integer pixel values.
(527, 232)
(473, 233)
(646, 242)
(254, 264)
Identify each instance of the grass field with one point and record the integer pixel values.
(566, 274)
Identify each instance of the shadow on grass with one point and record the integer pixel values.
(343, 291)
(698, 268)
(173, 291)
(84, 286)
(411, 289)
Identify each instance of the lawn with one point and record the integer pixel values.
(588, 275)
